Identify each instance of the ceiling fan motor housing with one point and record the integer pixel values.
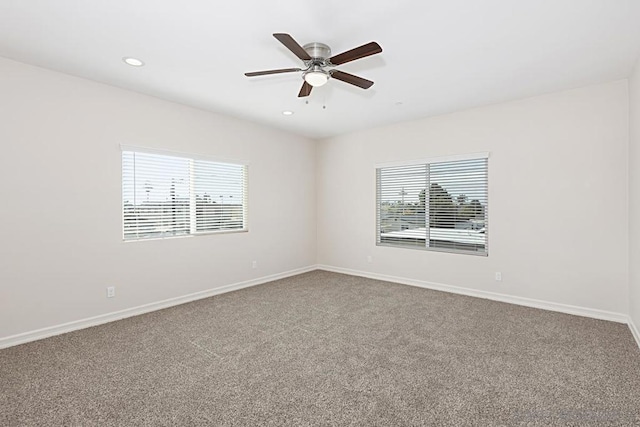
(315, 74)
(317, 50)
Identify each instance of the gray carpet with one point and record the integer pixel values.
(329, 349)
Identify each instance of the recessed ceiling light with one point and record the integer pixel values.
(134, 62)
(287, 113)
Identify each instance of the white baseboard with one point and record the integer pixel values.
(146, 308)
(634, 331)
(528, 302)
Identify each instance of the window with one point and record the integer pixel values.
(171, 195)
(434, 205)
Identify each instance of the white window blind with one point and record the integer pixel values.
(434, 205)
(166, 196)
(220, 191)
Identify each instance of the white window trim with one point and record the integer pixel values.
(451, 158)
(183, 154)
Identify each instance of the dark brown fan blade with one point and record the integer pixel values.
(359, 52)
(351, 79)
(305, 90)
(264, 73)
(292, 45)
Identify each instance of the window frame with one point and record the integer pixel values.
(191, 157)
(428, 162)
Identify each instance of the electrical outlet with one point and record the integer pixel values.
(111, 291)
(369, 258)
(498, 276)
(254, 264)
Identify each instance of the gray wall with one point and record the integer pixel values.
(634, 197)
(61, 200)
(558, 190)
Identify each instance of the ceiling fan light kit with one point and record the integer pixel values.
(316, 76)
(317, 61)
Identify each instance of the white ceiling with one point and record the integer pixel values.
(438, 56)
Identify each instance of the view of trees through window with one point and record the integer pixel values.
(438, 205)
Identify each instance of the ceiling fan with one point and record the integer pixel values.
(317, 61)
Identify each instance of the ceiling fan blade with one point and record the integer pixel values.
(292, 45)
(351, 79)
(305, 90)
(359, 52)
(264, 73)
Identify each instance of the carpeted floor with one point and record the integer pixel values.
(329, 349)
